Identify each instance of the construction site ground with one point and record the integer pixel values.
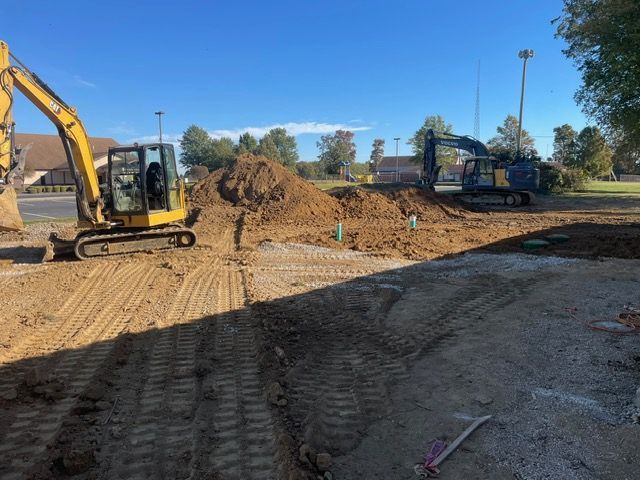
(272, 351)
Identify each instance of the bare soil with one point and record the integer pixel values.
(271, 351)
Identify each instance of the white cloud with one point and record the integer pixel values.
(122, 128)
(293, 128)
(81, 81)
(166, 138)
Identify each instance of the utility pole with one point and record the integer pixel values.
(160, 123)
(397, 139)
(476, 120)
(525, 55)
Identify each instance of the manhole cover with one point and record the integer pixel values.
(536, 243)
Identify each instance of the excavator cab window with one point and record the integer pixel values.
(172, 178)
(155, 179)
(478, 172)
(485, 172)
(124, 172)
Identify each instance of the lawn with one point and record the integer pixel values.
(622, 188)
(329, 184)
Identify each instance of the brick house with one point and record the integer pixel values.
(46, 161)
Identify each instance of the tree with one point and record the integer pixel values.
(268, 149)
(286, 146)
(335, 149)
(247, 143)
(377, 153)
(603, 42)
(593, 154)
(195, 147)
(626, 157)
(445, 155)
(505, 145)
(564, 144)
(308, 170)
(223, 152)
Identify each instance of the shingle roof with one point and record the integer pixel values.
(403, 161)
(47, 152)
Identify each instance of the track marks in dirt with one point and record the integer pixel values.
(160, 441)
(234, 409)
(346, 357)
(93, 321)
(200, 410)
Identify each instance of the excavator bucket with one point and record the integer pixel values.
(10, 219)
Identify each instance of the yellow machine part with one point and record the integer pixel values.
(10, 219)
(151, 220)
(500, 174)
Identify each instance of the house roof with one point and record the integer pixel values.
(403, 161)
(47, 152)
(456, 168)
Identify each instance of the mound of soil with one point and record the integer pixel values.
(269, 189)
(427, 206)
(361, 204)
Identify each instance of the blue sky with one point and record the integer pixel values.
(375, 67)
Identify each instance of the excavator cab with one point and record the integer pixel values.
(144, 189)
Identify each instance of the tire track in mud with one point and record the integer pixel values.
(36, 425)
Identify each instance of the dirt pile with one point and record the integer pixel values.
(267, 188)
(361, 204)
(424, 204)
(396, 203)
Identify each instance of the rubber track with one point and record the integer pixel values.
(36, 425)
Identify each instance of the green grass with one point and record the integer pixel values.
(616, 188)
(328, 185)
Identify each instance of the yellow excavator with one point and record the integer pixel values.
(140, 207)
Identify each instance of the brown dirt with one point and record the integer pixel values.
(267, 188)
(10, 219)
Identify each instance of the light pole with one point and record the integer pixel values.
(525, 55)
(160, 123)
(397, 139)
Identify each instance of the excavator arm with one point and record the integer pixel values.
(431, 169)
(72, 133)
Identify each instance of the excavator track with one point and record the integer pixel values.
(495, 197)
(96, 245)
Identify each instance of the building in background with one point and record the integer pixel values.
(410, 171)
(46, 162)
(406, 170)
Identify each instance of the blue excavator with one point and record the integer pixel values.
(485, 179)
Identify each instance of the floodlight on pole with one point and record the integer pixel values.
(525, 55)
(160, 123)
